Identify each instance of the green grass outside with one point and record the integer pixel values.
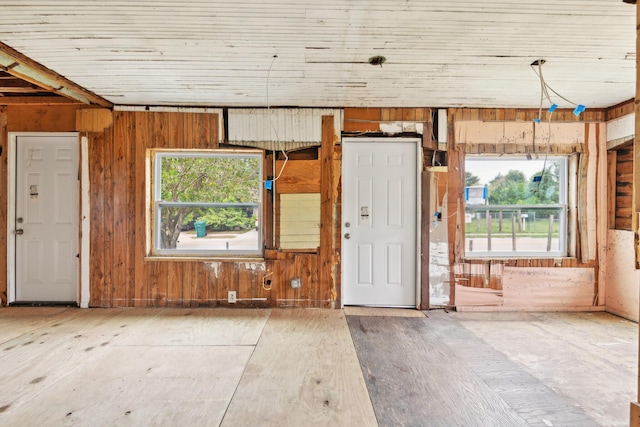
(537, 228)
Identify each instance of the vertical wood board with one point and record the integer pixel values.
(328, 198)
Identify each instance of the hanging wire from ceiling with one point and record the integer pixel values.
(269, 183)
(536, 66)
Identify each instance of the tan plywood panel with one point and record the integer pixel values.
(300, 221)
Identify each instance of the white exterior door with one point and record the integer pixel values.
(379, 222)
(46, 219)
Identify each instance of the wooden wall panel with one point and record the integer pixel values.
(369, 120)
(620, 110)
(531, 289)
(298, 176)
(134, 127)
(41, 118)
(548, 287)
(122, 275)
(623, 190)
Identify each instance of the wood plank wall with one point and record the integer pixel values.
(622, 109)
(484, 273)
(120, 273)
(620, 205)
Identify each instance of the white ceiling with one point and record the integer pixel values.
(439, 53)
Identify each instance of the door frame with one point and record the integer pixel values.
(82, 296)
(418, 213)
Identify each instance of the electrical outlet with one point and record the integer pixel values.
(295, 283)
(232, 297)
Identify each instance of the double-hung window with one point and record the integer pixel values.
(515, 206)
(206, 203)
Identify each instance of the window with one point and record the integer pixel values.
(515, 206)
(206, 202)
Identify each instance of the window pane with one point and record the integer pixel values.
(518, 181)
(207, 202)
(219, 179)
(515, 206)
(496, 230)
(209, 229)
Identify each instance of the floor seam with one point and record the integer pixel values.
(244, 370)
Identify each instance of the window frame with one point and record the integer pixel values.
(564, 195)
(156, 204)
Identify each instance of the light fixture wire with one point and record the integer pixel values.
(273, 127)
(544, 94)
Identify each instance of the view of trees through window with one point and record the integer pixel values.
(214, 198)
(515, 188)
(515, 205)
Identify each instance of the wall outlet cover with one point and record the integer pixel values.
(232, 297)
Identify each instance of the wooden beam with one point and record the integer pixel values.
(328, 198)
(602, 210)
(31, 71)
(37, 100)
(455, 207)
(22, 89)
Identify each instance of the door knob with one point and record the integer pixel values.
(19, 231)
(347, 236)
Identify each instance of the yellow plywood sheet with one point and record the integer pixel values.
(300, 221)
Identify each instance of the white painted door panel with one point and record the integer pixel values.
(379, 223)
(47, 215)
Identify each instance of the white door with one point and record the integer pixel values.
(46, 201)
(379, 217)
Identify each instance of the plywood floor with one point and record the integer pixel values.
(306, 367)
